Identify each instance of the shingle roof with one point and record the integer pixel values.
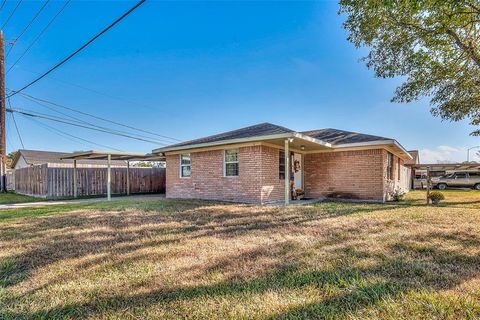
(262, 129)
(332, 136)
(36, 157)
(415, 155)
(335, 136)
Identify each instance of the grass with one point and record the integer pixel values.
(10, 197)
(170, 259)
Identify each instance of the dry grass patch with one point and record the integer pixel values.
(193, 259)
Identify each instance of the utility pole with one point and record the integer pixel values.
(3, 148)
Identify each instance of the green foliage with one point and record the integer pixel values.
(397, 195)
(433, 45)
(150, 164)
(10, 158)
(436, 196)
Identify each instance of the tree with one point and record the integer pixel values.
(10, 157)
(434, 45)
(149, 164)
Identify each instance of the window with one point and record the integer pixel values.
(231, 163)
(461, 175)
(185, 165)
(389, 166)
(281, 165)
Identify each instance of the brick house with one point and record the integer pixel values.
(249, 165)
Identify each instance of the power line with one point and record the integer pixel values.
(82, 122)
(68, 135)
(39, 35)
(18, 131)
(56, 119)
(11, 14)
(16, 126)
(123, 16)
(91, 90)
(34, 99)
(27, 27)
(3, 4)
(7, 135)
(79, 120)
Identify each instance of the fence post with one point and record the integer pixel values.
(128, 177)
(109, 178)
(75, 191)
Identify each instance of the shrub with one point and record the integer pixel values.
(397, 195)
(299, 192)
(436, 197)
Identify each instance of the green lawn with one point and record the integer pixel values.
(10, 197)
(170, 259)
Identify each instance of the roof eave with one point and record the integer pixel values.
(312, 139)
(376, 143)
(222, 142)
(243, 140)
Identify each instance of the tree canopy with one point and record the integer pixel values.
(433, 45)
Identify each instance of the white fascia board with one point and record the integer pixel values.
(374, 143)
(231, 141)
(311, 139)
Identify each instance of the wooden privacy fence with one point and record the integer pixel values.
(47, 182)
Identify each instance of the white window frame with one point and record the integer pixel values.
(390, 166)
(225, 162)
(180, 173)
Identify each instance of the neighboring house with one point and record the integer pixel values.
(415, 158)
(27, 158)
(249, 165)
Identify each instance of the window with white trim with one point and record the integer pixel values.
(230, 163)
(185, 165)
(390, 166)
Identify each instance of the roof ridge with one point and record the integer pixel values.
(230, 132)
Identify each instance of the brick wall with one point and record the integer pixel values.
(346, 174)
(257, 180)
(400, 179)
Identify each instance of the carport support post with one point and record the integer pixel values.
(109, 178)
(428, 185)
(128, 178)
(287, 172)
(75, 191)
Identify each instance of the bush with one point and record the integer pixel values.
(436, 197)
(397, 195)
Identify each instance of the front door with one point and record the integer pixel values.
(297, 170)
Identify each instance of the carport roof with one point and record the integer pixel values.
(114, 155)
(447, 166)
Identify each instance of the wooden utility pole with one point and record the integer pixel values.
(3, 148)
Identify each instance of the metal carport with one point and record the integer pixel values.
(109, 156)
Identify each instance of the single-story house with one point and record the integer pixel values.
(27, 158)
(252, 164)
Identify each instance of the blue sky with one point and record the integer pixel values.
(189, 69)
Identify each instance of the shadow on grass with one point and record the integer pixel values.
(412, 263)
(407, 266)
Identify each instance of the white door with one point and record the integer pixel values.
(297, 170)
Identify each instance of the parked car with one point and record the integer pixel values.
(458, 180)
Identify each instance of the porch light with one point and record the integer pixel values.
(290, 140)
(302, 147)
